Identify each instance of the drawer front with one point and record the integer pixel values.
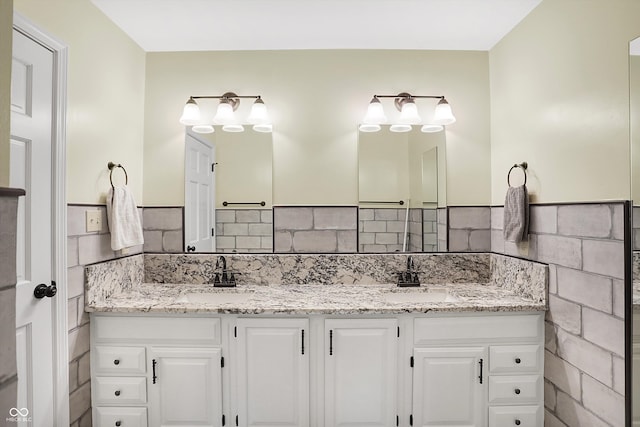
(120, 360)
(477, 328)
(120, 417)
(120, 390)
(180, 330)
(521, 389)
(513, 416)
(514, 358)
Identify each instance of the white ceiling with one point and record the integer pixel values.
(192, 25)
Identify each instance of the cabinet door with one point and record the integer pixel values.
(360, 372)
(188, 387)
(449, 387)
(273, 372)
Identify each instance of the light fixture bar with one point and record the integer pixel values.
(407, 96)
(226, 96)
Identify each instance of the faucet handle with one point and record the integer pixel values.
(216, 278)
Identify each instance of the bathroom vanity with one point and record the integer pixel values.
(466, 351)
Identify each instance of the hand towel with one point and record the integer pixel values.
(516, 214)
(123, 219)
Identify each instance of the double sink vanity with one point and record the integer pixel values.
(317, 340)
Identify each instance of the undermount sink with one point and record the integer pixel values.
(431, 295)
(214, 297)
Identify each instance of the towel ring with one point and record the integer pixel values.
(523, 166)
(111, 167)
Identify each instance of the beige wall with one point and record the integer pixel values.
(6, 22)
(560, 101)
(316, 99)
(105, 95)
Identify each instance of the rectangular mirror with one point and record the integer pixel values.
(401, 184)
(236, 216)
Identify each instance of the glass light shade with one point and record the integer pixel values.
(443, 114)
(233, 128)
(258, 114)
(365, 127)
(265, 128)
(202, 129)
(190, 113)
(400, 128)
(224, 114)
(375, 113)
(432, 128)
(409, 113)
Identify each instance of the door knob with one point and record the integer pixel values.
(43, 290)
(191, 248)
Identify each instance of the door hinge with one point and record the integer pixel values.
(223, 420)
(411, 362)
(222, 362)
(411, 419)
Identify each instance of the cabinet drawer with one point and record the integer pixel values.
(515, 389)
(180, 330)
(116, 417)
(120, 360)
(514, 358)
(120, 390)
(477, 328)
(511, 416)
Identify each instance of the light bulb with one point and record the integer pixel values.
(409, 113)
(400, 128)
(190, 113)
(202, 129)
(375, 113)
(258, 114)
(432, 128)
(369, 127)
(224, 114)
(266, 128)
(233, 128)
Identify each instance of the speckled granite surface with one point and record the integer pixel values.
(320, 284)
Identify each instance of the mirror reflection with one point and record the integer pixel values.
(634, 98)
(228, 191)
(401, 185)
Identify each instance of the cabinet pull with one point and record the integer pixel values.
(153, 364)
(117, 393)
(116, 362)
(481, 362)
(517, 422)
(303, 341)
(118, 423)
(518, 360)
(331, 342)
(517, 391)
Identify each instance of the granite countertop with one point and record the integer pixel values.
(308, 299)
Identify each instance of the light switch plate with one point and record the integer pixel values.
(94, 220)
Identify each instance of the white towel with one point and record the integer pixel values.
(123, 219)
(516, 214)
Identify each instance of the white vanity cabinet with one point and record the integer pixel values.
(156, 371)
(360, 372)
(272, 372)
(478, 371)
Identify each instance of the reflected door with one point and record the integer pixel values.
(199, 196)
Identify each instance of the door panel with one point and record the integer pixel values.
(199, 195)
(30, 152)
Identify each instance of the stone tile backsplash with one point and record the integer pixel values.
(163, 229)
(319, 229)
(469, 229)
(381, 230)
(244, 230)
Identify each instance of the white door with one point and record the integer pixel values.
(186, 387)
(448, 387)
(199, 196)
(360, 372)
(31, 160)
(273, 372)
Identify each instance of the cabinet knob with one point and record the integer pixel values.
(119, 423)
(116, 362)
(518, 360)
(517, 422)
(517, 391)
(118, 392)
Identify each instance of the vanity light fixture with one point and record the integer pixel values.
(225, 114)
(409, 116)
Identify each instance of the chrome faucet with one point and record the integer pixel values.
(409, 277)
(224, 279)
